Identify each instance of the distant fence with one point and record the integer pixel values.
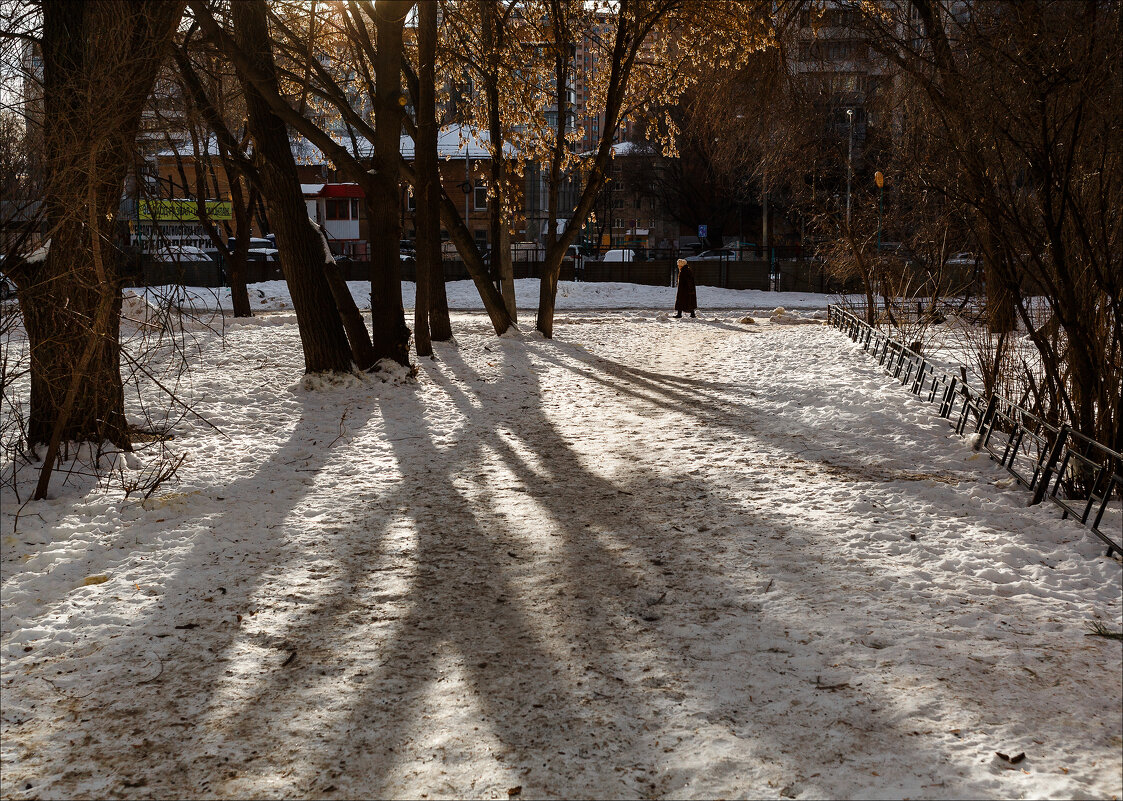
(1052, 461)
(971, 308)
(787, 276)
(806, 275)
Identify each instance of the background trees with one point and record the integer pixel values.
(995, 126)
(992, 126)
(1026, 98)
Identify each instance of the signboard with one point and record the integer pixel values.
(182, 210)
(702, 231)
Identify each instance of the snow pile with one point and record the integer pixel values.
(649, 557)
(138, 312)
(781, 316)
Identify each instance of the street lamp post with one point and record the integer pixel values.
(849, 163)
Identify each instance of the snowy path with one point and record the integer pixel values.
(651, 558)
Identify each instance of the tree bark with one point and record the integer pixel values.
(450, 215)
(362, 352)
(237, 168)
(428, 178)
(390, 334)
(492, 40)
(999, 300)
(325, 344)
(99, 60)
(236, 272)
(629, 34)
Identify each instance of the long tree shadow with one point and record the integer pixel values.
(482, 593)
(167, 675)
(508, 607)
(542, 646)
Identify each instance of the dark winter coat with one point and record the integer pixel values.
(687, 298)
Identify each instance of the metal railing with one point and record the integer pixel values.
(1055, 463)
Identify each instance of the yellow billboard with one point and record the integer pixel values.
(183, 210)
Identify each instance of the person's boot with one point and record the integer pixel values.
(677, 316)
(691, 314)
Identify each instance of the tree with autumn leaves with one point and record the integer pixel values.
(350, 78)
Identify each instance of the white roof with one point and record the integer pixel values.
(185, 149)
(311, 189)
(452, 143)
(623, 149)
(454, 140)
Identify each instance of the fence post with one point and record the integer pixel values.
(984, 420)
(918, 382)
(1050, 465)
(949, 399)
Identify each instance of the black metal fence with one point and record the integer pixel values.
(1079, 475)
(653, 269)
(787, 276)
(971, 308)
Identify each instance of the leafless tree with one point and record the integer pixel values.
(99, 62)
(1028, 97)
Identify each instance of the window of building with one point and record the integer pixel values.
(338, 209)
(479, 198)
(355, 207)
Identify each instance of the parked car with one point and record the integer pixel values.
(717, 254)
(619, 255)
(255, 242)
(963, 260)
(262, 254)
(180, 253)
(573, 253)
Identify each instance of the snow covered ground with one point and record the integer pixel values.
(274, 296)
(649, 558)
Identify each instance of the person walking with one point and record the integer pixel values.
(687, 297)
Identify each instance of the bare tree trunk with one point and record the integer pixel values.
(71, 304)
(450, 215)
(999, 300)
(237, 169)
(237, 263)
(390, 334)
(428, 177)
(440, 325)
(631, 29)
(321, 331)
(492, 38)
(362, 352)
